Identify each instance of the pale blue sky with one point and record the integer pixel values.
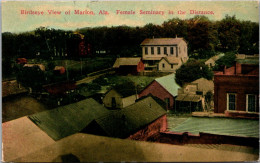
(13, 21)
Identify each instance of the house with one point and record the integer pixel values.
(125, 66)
(118, 98)
(192, 96)
(169, 64)
(12, 87)
(165, 88)
(137, 121)
(21, 61)
(212, 61)
(153, 50)
(69, 119)
(41, 66)
(59, 70)
(236, 90)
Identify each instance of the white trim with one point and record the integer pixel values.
(247, 103)
(228, 101)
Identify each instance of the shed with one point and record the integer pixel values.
(169, 64)
(126, 66)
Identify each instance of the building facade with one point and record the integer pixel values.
(125, 66)
(236, 89)
(153, 50)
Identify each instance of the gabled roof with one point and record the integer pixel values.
(168, 83)
(172, 60)
(126, 62)
(122, 123)
(204, 84)
(162, 41)
(70, 119)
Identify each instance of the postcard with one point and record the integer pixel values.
(138, 81)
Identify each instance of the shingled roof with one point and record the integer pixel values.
(122, 123)
(126, 62)
(162, 41)
(70, 119)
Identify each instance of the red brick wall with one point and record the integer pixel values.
(157, 90)
(155, 127)
(239, 84)
(140, 66)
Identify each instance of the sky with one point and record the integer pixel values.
(14, 21)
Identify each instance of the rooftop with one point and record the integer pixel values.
(168, 83)
(122, 123)
(69, 119)
(162, 41)
(116, 150)
(220, 126)
(172, 60)
(126, 62)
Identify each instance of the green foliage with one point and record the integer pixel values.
(31, 77)
(191, 71)
(227, 60)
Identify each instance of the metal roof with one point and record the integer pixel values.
(188, 97)
(122, 123)
(221, 126)
(162, 41)
(168, 83)
(70, 119)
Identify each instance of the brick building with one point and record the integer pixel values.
(165, 88)
(236, 90)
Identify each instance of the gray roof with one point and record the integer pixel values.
(122, 123)
(221, 126)
(70, 119)
(126, 62)
(168, 83)
(162, 41)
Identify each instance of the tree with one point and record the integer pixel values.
(191, 71)
(227, 60)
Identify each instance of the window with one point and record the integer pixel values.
(167, 102)
(152, 50)
(231, 101)
(163, 65)
(165, 50)
(171, 50)
(113, 102)
(251, 103)
(176, 52)
(146, 50)
(158, 50)
(171, 66)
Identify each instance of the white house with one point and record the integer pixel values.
(153, 50)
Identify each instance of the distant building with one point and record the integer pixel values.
(41, 66)
(236, 89)
(21, 60)
(61, 88)
(125, 66)
(192, 96)
(153, 50)
(119, 98)
(211, 62)
(59, 70)
(169, 64)
(165, 88)
(12, 87)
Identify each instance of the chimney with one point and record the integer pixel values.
(238, 68)
(176, 36)
(224, 71)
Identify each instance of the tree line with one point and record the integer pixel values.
(204, 38)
